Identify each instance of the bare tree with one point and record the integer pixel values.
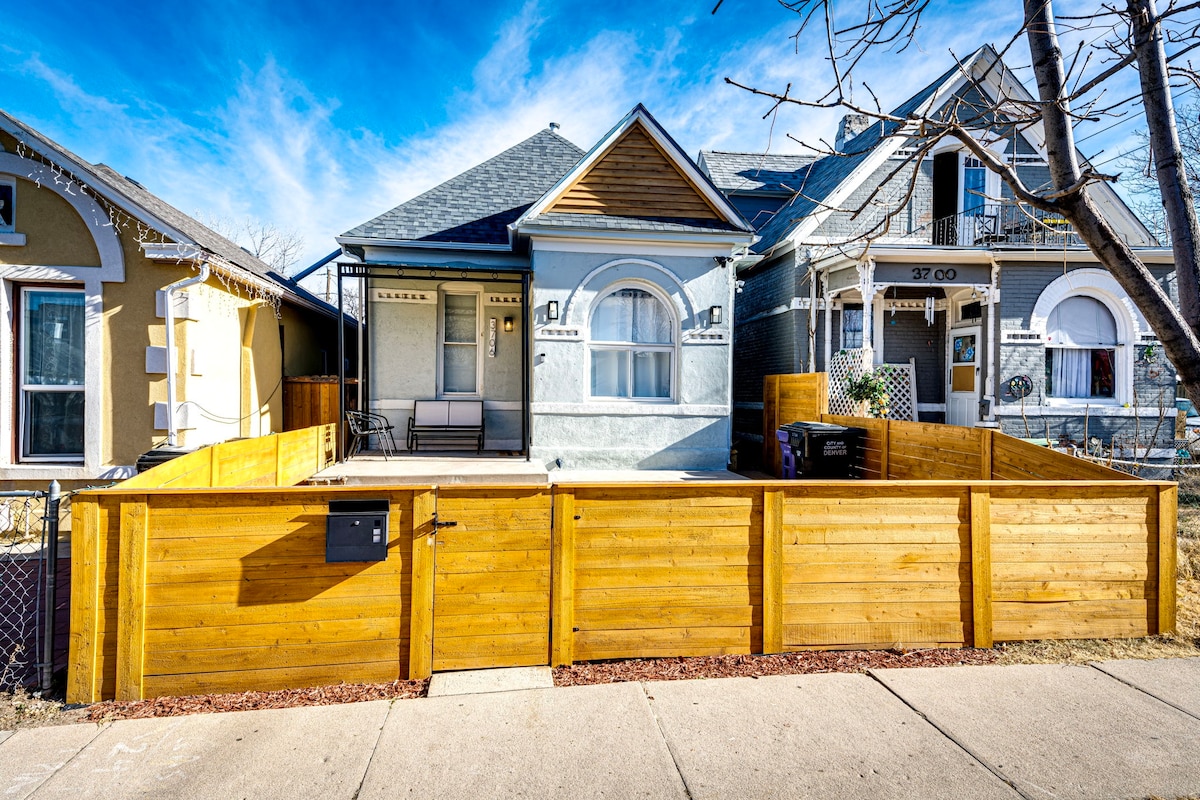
(1070, 88)
(276, 247)
(1141, 180)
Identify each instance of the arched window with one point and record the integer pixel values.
(632, 346)
(1081, 340)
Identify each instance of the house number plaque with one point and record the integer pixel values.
(492, 337)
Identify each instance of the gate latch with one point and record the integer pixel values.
(438, 524)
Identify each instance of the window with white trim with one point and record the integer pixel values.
(8, 203)
(852, 327)
(632, 346)
(1081, 341)
(460, 343)
(51, 374)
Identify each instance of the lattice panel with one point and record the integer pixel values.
(902, 385)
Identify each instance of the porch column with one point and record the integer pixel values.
(866, 288)
(828, 334)
(991, 301)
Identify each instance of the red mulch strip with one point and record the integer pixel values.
(649, 669)
(678, 669)
(255, 701)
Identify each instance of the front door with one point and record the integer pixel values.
(491, 585)
(962, 406)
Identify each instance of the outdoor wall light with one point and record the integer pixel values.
(714, 315)
(552, 310)
(508, 324)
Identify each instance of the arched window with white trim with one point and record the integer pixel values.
(1081, 341)
(632, 346)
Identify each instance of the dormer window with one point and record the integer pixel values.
(963, 213)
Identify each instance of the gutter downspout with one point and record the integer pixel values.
(169, 316)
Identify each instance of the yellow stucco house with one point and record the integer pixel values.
(116, 308)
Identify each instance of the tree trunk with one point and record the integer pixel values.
(1176, 190)
(1178, 338)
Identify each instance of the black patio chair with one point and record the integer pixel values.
(363, 425)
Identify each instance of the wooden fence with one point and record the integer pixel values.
(280, 459)
(206, 590)
(912, 451)
(312, 400)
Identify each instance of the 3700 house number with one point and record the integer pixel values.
(923, 273)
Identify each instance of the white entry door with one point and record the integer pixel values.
(962, 406)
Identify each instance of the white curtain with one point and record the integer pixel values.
(1071, 373)
(631, 315)
(1081, 322)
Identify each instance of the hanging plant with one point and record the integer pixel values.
(871, 388)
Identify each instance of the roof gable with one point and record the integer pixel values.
(635, 178)
(636, 175)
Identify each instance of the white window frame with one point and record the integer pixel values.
(12, 184)
(23, 389)
(461, 290)
(632, 347)
(842, 327)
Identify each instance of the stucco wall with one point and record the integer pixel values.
(690, 431)
(404, 355)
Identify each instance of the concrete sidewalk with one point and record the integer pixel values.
(1118, 729)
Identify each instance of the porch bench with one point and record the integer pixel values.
(446, 420)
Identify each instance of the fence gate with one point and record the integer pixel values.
(491, 591)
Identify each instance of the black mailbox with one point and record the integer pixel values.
(356, 530)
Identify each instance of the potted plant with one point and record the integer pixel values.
(870, 389)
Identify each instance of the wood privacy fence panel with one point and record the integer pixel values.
(280, 459)
(885, 568)
(874, 464)
(787, 399)
(1076, 563)
(228, 589)
(311, 400)
(492, 579)
(665, 571)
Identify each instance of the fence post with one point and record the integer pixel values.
(885, 445)
(985, 453)
(981, 564)
(772, 573)
(82, 679)
(214, 466)
(51, 518)
(562, 578)
(420, 636)
(1168, 499)
(131, 606)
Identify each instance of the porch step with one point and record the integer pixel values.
(485, 681)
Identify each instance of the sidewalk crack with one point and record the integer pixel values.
(374, 750)
(983, 762)
(1099, 668)
(687, 790)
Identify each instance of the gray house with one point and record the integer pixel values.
(993, 314)
(583, 297)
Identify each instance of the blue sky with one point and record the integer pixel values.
(319, 116)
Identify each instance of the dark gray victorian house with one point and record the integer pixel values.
(994, 314)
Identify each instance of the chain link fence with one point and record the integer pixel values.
(32, 580)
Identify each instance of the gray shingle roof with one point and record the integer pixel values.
(559, 219)
(759, 173)
(477, 206)
(828, 173)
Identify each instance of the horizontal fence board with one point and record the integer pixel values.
(914, 592)
(270, 679)
(491, 603)
(476, 538)
(905, 635)
(618, 577)
(1085, 619)
(893, 572)
(1049, 591)
(689, 556)
(498, 562)
(233, 591)
(323, 631)
(812, 554)
(312, 610)
(272, 657)
(592, 645)
(669, 617)
(1072, 571)
(658, 597)
(842, 613)
(528, 622)
(531, 645)
(1074, 551)
(658, 537)
(849, 533)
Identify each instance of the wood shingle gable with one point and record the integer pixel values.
(635, 178)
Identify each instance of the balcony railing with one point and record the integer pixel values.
(992, 225)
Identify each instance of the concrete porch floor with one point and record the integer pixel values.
(445, 468)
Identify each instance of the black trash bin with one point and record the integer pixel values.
(822, 450)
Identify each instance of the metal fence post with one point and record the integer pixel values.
(52, 503)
